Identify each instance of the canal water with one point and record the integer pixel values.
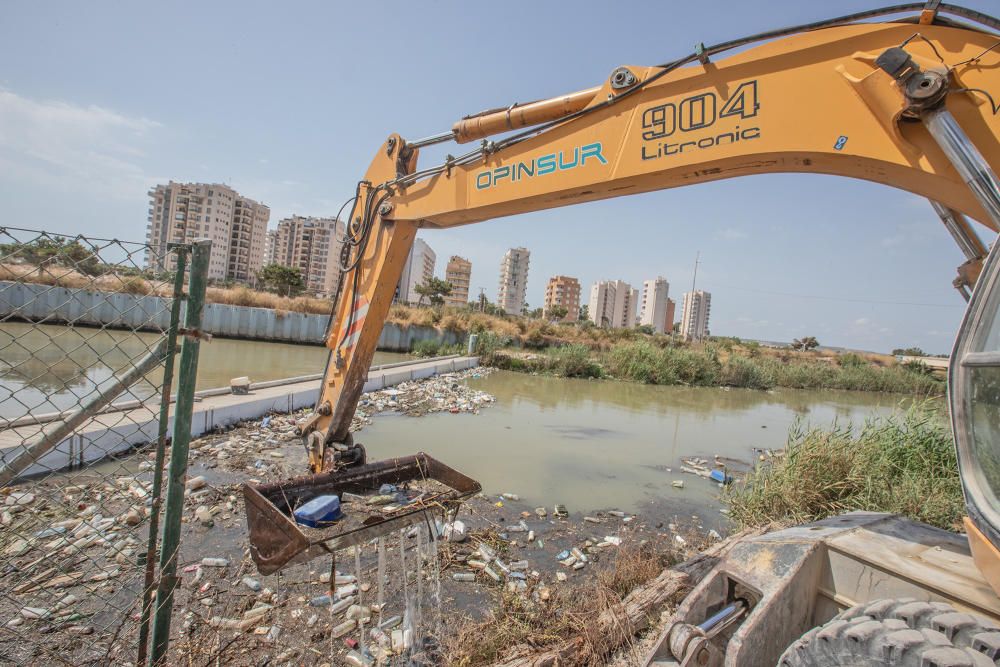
(583, 443)
(604, 444)
(47, 368)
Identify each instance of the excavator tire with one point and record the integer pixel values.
(903, 633)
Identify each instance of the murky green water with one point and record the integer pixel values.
(50, 368)
(586, 444)
(603, 444)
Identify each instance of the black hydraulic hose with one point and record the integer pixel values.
(957, 10)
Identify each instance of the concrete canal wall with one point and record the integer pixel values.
(214, 408)
(57, 305)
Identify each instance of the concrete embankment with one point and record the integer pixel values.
(128, 427)
(55, 305)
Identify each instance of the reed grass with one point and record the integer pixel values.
(903, 464)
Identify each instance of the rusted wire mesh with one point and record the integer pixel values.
(82, 324)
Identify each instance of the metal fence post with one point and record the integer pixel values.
(201, 251)
(161, 445)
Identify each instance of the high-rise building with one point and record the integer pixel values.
(418, 270)
(563, 291)
(312, 245)
(457, 274)
(671, 308)
(513, 287)
(248, 236)
(236, 225)
(653, 311)
(613, 304)
(694, 315)
(270, 246)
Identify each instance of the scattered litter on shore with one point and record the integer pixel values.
(225, 610)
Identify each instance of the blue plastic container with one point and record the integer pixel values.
(319, 511)
(721, 477)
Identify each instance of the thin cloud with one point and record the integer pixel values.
(730, 234)
(65, 146)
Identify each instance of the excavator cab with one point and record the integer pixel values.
(974, 395)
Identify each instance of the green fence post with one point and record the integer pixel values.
(149, 558)
(177, 476)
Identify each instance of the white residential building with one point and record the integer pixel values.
(419, 269)
(311, 245)
(236, 225)
(653, 310)
(513, 288)
(613, 304)
(695, 314)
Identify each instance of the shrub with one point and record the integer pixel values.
(574, 361)
(135, 285)
(426, 348)
(534, 338)
(748, 373)
(851, 360)
(903, 464)
(917, 367)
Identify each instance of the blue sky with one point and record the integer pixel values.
(288, 102)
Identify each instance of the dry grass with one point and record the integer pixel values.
(569, 613)
(61, 276)
(244, 296)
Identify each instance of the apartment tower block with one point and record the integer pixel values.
(653, 311)
(563, 291)
(513, 287)
(457, 274)
(236, 225)
(695, 314)
(612, 304)
(312, 245)
(419, 269)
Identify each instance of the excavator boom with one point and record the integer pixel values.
(815, 99)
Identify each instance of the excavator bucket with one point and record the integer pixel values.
(276, 539)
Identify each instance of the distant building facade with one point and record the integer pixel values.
(695, 315)
(270, 246)
(613, 304)
(311, 245)
(563, 291)
(419, 269)
(653, 309)
(513, 286)
(458, 274)
(236, 225)
(671, 308)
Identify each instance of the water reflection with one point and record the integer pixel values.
(46, 368)
(593, 444)
(555, 394)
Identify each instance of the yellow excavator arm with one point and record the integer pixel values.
(860, 99)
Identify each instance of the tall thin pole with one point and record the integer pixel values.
(177, 476)
(694, 280)
(161, 444)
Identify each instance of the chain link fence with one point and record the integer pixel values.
(87, 336)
